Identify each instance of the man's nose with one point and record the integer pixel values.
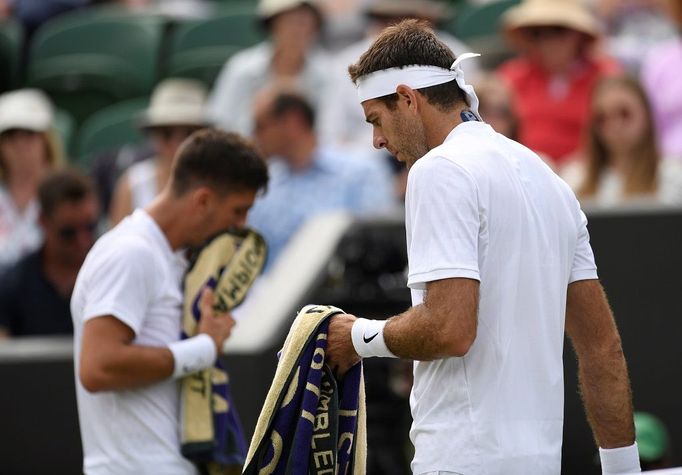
(379, 141)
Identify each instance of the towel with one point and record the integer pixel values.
(311, 423)
(211, 433)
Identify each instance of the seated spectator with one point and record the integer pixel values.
(633, 27)
(35, 292)
(661, 80)
(177, 109)
(622, 164)
(306, 177)
(291, 53)
(495, 105)
(29, 149)
(342, 120)
(552, 80)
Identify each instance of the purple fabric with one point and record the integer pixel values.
(312, 447)
(660, 78)
(229, 446)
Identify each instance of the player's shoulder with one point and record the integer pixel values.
(123, 245)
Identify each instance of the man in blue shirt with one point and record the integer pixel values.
(306, 177)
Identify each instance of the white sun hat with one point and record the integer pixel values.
(26, 109)
(176, 102)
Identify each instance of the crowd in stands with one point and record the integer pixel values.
(584, 84)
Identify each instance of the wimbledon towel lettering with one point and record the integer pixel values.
(324, 460)
(239, 279)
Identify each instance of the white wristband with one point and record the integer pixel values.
(368, 338)
(193, 354)
(620, 460)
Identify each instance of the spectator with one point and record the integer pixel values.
(290, 54)
(622, 162)
(633, 27)
(176, 110)
(342, 121)
(552, 80)
(29, 149)
(661, 80)
(307, 178)
(35, 292)
(495, 105)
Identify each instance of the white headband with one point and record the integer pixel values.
(384, 82)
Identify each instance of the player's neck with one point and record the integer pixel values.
(439, 124)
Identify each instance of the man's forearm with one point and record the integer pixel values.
(605, 389)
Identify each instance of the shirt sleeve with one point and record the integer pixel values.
(122, 285)
(442, 204)
(583, 267)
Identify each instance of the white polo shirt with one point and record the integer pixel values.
(132, 274)
(483, 207)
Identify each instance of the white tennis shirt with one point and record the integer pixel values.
(483, 207)
(132, 274)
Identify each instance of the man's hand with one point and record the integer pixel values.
(216, 325)
(341, 355)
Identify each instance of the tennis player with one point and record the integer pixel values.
(127, 309)
(499, 266)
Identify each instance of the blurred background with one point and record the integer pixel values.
(97, 96)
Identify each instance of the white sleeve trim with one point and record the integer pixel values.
(104, 311)
(583, 274)
(418, 280)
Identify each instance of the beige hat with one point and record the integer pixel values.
(572, 14)
(28, 109)
(176, 102)
(269, 8)
(423, 9)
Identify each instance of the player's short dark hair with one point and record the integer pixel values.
(408, 43)
(223, 161)
(291, 102)
(65, 186)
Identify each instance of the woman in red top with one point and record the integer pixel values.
(552, 80)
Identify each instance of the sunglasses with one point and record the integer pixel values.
(69, 233)
(621, 113)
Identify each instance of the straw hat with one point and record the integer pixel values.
(431, 10)
(572, 14)
(27, 109)
(176, 102)
(267, 9)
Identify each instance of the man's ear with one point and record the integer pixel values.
(201, 198)
(409, 96)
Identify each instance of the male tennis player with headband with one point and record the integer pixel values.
(499, 264)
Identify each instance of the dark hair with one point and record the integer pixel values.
(223, 161)
(642, 177)
(286, 102)
(410, 42)
(66, 186)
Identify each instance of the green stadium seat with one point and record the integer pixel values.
(11, 38)
(473, 21)
(110, 128)
(86, 62)
(479, 27)
(65, 126)
(199, 48)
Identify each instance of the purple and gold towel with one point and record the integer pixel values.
(311, 423)
(211, 433)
